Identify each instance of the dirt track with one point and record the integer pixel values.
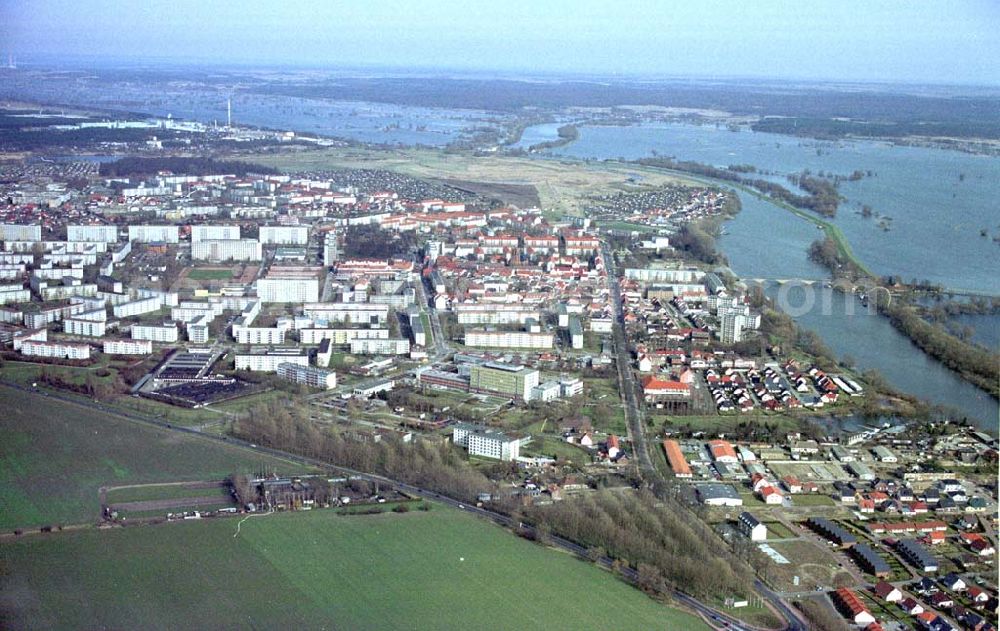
(177, 502)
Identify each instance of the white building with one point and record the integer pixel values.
(201, 232)
(270, 360)
(197, 329)
(487, 442)
(259, 335)
(128, 347)
(89, 328)
(137, 307)
(570, 387)
(494, 314)
(308, 375)
(508, 339)
(375, 346)
(18, 232)
(341, 337)
(347, 312)
(154, 234)
(733, 325)
(548, 391)
(104, 234)
(165, 333)
(331, 248)
(284, 235)
(751, 527)
(227, 250)
(61, 350)
(293, 290)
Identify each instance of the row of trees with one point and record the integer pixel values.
(975, 364)
(144, 166)
(672, 549)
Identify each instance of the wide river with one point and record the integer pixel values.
(934, 234)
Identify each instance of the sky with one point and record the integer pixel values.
(913, 41)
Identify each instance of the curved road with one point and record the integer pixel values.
(715, 617)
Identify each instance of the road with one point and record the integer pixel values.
(716, 617)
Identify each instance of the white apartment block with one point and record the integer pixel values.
(154, 234)
(90, 328)
(341, 337)
(36, 335)
(18, 232)
(294, 290)
(227, 250)
(103, 234)
(380, 346)
(14, 294)
(284, 235)
(307, 375)
(197, 330)
(733, 325)
(331, 248)
(61, 350)
(128, 347)
(137, 307)
(164, 333)
(507, 339)
(269, 361)
(259, 335)
(494, 314)
(214, 233)
(62, 292)
(488, 442)
(348, 312)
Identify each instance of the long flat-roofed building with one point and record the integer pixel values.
(307, 375)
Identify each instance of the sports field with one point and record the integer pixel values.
(54, 457)
(420, 570)
(210, 273)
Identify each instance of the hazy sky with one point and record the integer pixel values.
(913, 40)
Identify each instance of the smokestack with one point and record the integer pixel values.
(229, 113)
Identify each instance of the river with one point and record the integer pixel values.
(934, 201)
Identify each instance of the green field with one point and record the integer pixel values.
(54, 457)
(210, 274)
(420, 570)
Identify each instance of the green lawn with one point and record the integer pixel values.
(210, 274)
(54, 457)
(420, 570)
(812, 499)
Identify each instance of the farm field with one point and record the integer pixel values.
(316, 570)
(54, 456)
